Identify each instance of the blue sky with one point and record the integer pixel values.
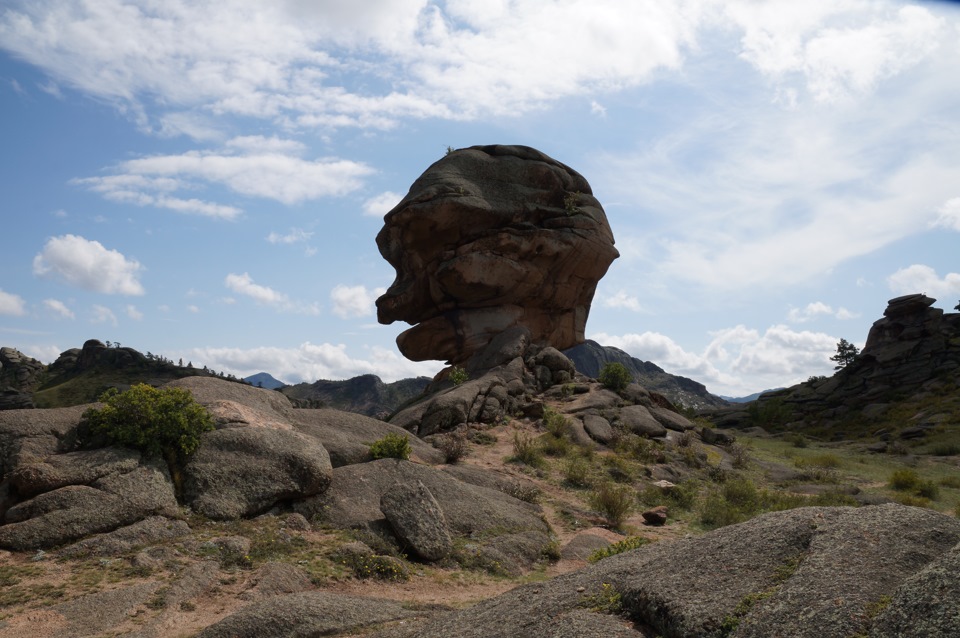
(206, 180)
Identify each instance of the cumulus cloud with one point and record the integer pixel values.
(817, 309)
(133, 313)
(266, 296)
(58, 308)
(309, 362)
(354, 301)
(11, 304)
(738, 361)
(381, 204)
(87, 264)
(622, 300)
(282, 60)
(839, 49)
(919, 278)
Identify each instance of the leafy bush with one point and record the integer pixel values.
(157, 421)
(615, 376)
(458, 375)
(630, 542)
(928, 489)
(555, 423)
(904, 480)
(606, 601)
(553, 445)
(391, 446)
(796, 439)
(613, 501)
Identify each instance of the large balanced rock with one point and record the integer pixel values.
(488, 238)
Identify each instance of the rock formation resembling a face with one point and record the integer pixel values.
(488, 238)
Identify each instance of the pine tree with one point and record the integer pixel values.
(846, 354)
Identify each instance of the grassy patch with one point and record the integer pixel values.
(614, 502)
(627, 544)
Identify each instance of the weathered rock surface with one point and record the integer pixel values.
(805, 572)
(238, 472)
(355, 493)
(314, 613)
(417, 520)
(19, 377)
(488, 238)
(124, 539)
(74, 511)
(347, 437)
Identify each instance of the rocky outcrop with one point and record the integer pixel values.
(809, 572)
(19, 378)
(913, 351)
(417, 520)
(507, 377)
(488, 238)
(590, 357)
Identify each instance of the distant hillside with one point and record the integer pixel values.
(264, 380)
(366, 394)
(81, 375)
(748, 399)
(589, 357)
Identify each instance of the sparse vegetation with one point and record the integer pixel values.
(526, 450)
(615, 376)
(458, 375)
(627, 544)
(606, 601)
(454, 446)
(615, 502)
(391, 446)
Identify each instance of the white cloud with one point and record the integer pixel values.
(263, 169)
(294, 236)
(817, 309)
(43, 353)
(193, 309)
(597, 109)
(622, 300)
(133, 313)
(381, 204)
(102, 314)
(87, 264)
(283, 60)
(58, 308)
(11, 304)
(738, 361)
(949, 215)
(840, 49)
(354, 301)
(310, 362)
(919, 278)
(266, 296)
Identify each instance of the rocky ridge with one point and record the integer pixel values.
(912, 355)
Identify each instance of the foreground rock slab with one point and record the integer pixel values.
(814, 572)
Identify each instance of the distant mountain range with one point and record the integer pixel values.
(366, 394)
(748, 398)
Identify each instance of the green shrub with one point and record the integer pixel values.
(950, 481)
(796, 439)
(527, 450)
(458, 375)
(615, 376)
(165, 422)
(555, 423)
(613, 501)
(928, 489)
(553, 445)
(577, 472)
(606, 601)
(904, 480)
(630, 542)
(391, 446)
